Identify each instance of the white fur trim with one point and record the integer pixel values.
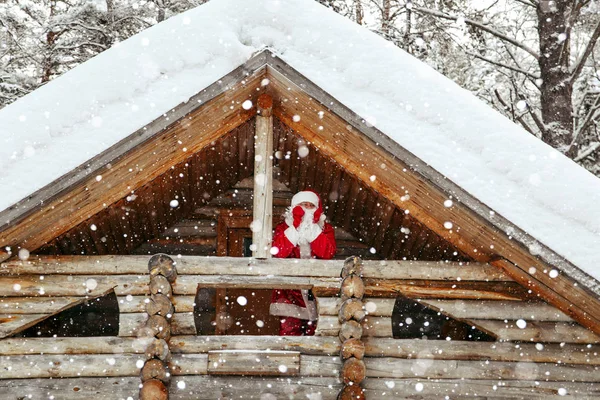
(292, 234)
(305, 196)
(288, 310)
(291, 310)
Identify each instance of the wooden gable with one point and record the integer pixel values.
(370, 173)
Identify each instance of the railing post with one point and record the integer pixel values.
(351, 313)
(155, 373)
(262, 223)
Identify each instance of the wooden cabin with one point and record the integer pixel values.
(141, 273)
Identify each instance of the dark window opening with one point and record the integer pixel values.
(411, 320)
(98, 316)
(234, 311)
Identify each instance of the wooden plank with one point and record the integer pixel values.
(372, 326)
(369, 148)
(476, 309)
(190, 265)
(378, 307)
(74, 345)
(71, 388)
(454, 369)
(62, 366)
(262, 211)
(254, 362)
(493, 351)
(315, 345)
(59, 285)
(534, 331)
(205, 387)
(430, 389)
(41, 305)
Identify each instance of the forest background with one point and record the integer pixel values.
(535, 61)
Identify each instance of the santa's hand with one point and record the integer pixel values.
(318, 214)
(297, 213)
(312, 232)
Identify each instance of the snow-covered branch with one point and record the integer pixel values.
(499, 64)
(587, 152)
(481, 26)
(586, 53)
(592, 113)
(78, 45)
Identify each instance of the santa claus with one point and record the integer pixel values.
(303, 234)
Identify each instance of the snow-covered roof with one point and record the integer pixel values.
(82, 113)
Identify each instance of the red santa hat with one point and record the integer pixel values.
(306, 195)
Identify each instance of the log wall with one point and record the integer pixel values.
(560, 355)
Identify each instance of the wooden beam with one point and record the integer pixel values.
(262, 223)
(429, 389)
(534, 331)
(192, 265)
(315, 345)
(497, 310)
(74, 345)
(254, 363)
(205, 387)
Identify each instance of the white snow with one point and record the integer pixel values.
(80, 114)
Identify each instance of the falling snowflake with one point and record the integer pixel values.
(23, 254)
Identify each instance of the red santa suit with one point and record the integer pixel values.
(311, 237)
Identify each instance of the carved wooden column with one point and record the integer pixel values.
(262, 224)
(351, 314)
(155, 373)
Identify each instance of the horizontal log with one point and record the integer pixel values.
(71, 388)
(94, 285)
(493, 351)
(304, 344)
(456, 369)
(315, 345)
(41, 305)
(257, 362)
(130, 323)
(69, 366)
(372, 326)
(533, 331)
(74, 345)
(375, 347)
(477, 389)
(192, 265)
(476, 309)
(375, 307)
(204, 387)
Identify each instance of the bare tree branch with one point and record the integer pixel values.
(594, 109)
(518, 117)
(103, 47)
(499, 64)
(481, 26)
(586, 53)
(587, 152)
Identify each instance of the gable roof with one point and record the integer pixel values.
(536, 195)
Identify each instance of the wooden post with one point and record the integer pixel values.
(155, 373)
(262, 224)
